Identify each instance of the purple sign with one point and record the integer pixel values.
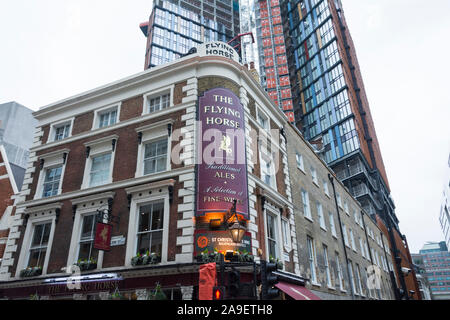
(222, 167)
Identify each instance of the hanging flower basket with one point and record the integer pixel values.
(87, 264)
(158, 294)
(146, 259)
(31, 272)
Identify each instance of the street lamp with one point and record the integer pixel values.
(237, 231)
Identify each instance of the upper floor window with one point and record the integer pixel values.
(312, 259)
(154, 148)
(62, 132)
(339, 200)
(314, 175)
(321, 216)
(325, 188)
(100, 161)
(300, 163)
(158, 103)
(272, 235)
(332, 225)
(267, 170)
(286, 233)
(306, 206)
(52, 167)
(100, 170)
(155, 156)
(150, 228)
(39, 244)
(106, 117)
(263, 120)
(51, 182)
(86, 250)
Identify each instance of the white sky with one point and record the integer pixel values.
(53, 49)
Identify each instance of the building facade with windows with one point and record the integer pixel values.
(434, 258)
(176, 26)
(342, 251)
(332, 109)
(125, 155)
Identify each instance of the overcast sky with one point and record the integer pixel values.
(53, 49)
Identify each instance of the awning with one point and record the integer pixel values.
(296, 292)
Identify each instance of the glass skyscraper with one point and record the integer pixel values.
(330, 103)
(177, 26)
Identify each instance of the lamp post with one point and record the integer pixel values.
(237, 231)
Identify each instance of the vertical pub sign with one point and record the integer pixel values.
(222, 165)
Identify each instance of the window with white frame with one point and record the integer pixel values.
(38, 238)
(332, 225)
(100, 162)
(150, 228)
(321, 216)
(367, 250)
(344, 231)
(340, 278)
(86, 250)
(300, 164)
(157, 103)
(268, 169)
(352, 276)
(39, 245)
(346, 207)
(362, 247)
(263, 120)
(306, 206)
(355, 215)
(352, 239)
(155, 156)
(339, 201)
(327, 265)
(61, 131)
(100, 170)
(272, 235)
(106, 117)
(286, 233)
(358, 279)
(325, 187)
(154, 148)
(312, 259)
(314, 175)
(52, 181)
(51, 175)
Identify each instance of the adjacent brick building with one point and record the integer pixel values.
(340, 246)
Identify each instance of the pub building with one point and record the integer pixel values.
(133, 186)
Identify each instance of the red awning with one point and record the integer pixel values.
(296, 292)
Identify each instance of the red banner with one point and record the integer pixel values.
(103, 237)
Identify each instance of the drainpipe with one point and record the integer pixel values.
(368, 247)
(342, 235)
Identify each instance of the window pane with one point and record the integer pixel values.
(37, 258)
(143, 243)
(51, 182)
(87, 251)
(157, 216)
(100, 170)
(144, 218)
(156, 243)
(155, 157)
(87, 232)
